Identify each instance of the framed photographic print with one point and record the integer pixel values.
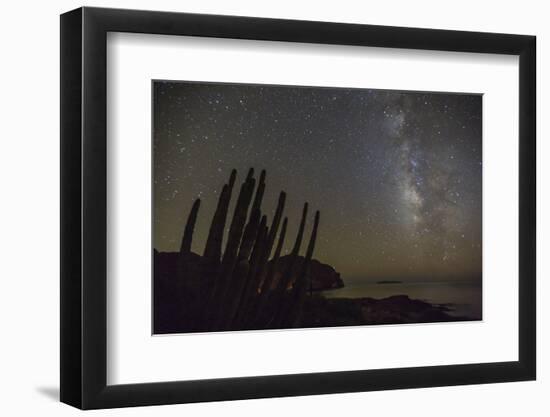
(257, 208)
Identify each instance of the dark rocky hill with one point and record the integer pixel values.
(324, 276)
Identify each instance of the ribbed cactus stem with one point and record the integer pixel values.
(229, 258)
(239, 297)
(275, 224)
(250, 174)
(300, 285)
(187, 238)
(262, 312)
(237, 224)
(256, 205)
(249, 235)
(268, 281)
(255, 277)
(213, 248)
(286, 277)
(182, 271)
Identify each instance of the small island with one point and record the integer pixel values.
(389, 281)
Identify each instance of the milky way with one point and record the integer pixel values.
(395, 175)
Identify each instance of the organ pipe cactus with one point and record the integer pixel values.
(235, 289)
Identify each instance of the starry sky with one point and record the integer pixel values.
(397, 176)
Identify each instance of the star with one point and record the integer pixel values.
(395, 175)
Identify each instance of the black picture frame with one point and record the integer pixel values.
(84, 197)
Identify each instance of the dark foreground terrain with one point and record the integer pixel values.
(397, 309)
(317, 310)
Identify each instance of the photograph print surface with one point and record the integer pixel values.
(279, 207)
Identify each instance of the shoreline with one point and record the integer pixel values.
(395, 309)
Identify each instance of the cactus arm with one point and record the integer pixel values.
(187, 238)
(287, 276)
(280, 295)
(264, 305)
(268, 281)
(300, 285)
(256, 205)
(229, 259)
(234, 291)
(213, 248)
(238, 222)
(257, 274)
(248, 291)
(183, 285)
(249, 236)
(250, 174)
(275, 224)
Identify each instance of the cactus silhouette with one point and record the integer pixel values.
(234, 288)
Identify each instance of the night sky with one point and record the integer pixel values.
(396, 176)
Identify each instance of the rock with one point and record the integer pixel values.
(399, 309)
(402, 309)
(324, 276)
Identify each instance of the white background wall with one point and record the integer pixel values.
(29, 237)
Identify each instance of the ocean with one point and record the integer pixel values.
(465, 298)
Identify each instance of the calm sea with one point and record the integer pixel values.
(464, 297)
